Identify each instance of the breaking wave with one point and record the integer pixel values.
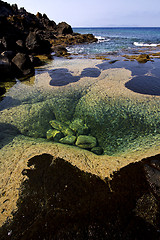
(141, 44)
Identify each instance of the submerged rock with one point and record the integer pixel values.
(64, 128)
(49, 134)
(84, 141)
(68, 140)
(57, 135)
(97, 150)
(79, 127)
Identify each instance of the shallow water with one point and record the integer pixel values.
(119, 102)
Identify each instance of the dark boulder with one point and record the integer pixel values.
(35, 44)
(23, 65)
(5, 66)
(2, 91)
(35, 61)
(64, 28)
(60, 51)
(8, 55)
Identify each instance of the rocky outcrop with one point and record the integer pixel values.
(23, 32)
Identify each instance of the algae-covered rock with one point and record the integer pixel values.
(87, 142)
(49, 134)
(97, 150)
(79, 127)
(57, 135)
(68, 140)
(64, 128)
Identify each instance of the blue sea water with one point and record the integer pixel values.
(117, 40)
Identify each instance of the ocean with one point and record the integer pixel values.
(117, 40)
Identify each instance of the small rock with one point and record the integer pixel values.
(97, 150)
(64, 128)
(57, 135)
(87, 142)
(68, 140)
(49, 134)
(79, 127)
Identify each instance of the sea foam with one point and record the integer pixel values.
(102, 39)
(141, 44)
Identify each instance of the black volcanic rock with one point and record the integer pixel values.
(27, 34)
(23, 65)
(35, 44)
(64, 28)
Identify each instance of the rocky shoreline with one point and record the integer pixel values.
(24, 35)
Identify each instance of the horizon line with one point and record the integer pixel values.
(116, 27)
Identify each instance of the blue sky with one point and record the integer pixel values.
(97, 13)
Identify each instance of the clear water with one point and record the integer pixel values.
(117, 40)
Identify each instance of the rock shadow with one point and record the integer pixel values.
(7, 133)
(144, 85)
(58, 201)
(8, 102)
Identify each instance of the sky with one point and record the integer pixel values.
(97, 13)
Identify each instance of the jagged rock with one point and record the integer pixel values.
(64, 28)
(87, 142)
(79, 127)
(68, 140)
(23, 64)
(37, 45)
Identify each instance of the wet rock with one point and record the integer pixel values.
(60, 51)
(23, 65)
(49, 134)
(64, 128)
(79, 127)
(143, 58)
(68, 140)
(87, 142)
(57, 135)
(97, 150)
